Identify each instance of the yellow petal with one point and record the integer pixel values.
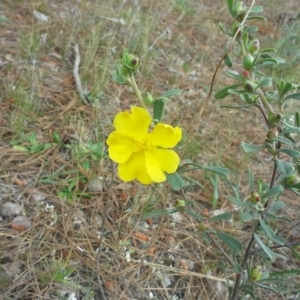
(159, 162)
(165, 136)
(134, 168)
(120, 146)
(134, 124)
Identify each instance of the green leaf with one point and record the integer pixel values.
(273, 191)
(251, 29)
(256, 9)
(237, 268)
(225, 216)
(119, 78)
(284, 167)
(226, 31)
(252, 148)
(171, 93)
(217, 170)
(285, 272)
(231, 7)
(158, 213)
(256, 18)
(265, 82)
(297, 119)
(175, 181)
(293, 153)
(248, 216)
(238, 202)
(293, 96)
(234, 74)
(287, 86)
(250, 180)
(20, 148)
(228, 61)
(194, 215)
(277, 205)
(222, 93)
(266, 249)
(231, 242)
(158, 108)
(266, 50)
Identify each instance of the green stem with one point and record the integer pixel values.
(131, 81)
(265, 101)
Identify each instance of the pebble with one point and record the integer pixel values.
(8, 209)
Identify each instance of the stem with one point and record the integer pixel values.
(131, 81)
(265, 101)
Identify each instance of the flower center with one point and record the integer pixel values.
(144, 146)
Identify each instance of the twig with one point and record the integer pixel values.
(81, 93)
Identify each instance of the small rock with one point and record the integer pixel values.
(95, 185)
(20, 223)
(8, 209)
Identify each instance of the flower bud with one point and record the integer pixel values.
(249, 86)
(255, 273)
(245, 74)
(180, 204)
(255, 197)
(148, 99)
(254, 46)
(202, 226)
(291, 180)
(248, 62)
(240, 11)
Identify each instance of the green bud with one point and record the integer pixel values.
(203, 226)
(249, 86)
(254, 46)
(255, 197)
(248, 62)
(291, 180)
(296, 251)
(240, 11)
(148, 99)
(180, 204)
(255, 273)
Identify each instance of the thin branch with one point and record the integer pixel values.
(80, 91)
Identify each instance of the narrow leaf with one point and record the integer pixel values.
(228, 61)
(231, 242)
(252, 148)
(256, 9)
(222, 93)
(266, 249)
(250, 180)
(217, 170)
(290, 152)
(230, 7)
(171, 93)
(265, 82)
(293, 96)
(158, 109)
(225, 216)
(273, 191)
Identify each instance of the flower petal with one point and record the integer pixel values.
(121, 146)
(165, 136)
(134, 124)
(159, 161)
(135, 168)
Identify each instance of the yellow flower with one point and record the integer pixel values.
(141, 154)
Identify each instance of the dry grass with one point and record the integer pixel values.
(62, 252)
